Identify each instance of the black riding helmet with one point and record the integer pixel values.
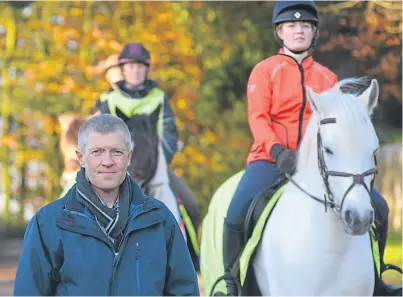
(134, 52)
(296, 11)
(292, 11)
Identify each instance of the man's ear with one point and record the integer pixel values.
(80, 158)
(130, 157)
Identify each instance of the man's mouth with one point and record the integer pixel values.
(107, 172)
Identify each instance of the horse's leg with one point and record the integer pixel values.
(181, 189)
(164, 193)
(160, 188)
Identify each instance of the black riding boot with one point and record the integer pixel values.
(381, 223)
(382, 288)
(232, 245)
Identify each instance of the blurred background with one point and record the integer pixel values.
(51, 62)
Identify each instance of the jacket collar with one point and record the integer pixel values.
(75, 216)
(140, 92)
(306, 62)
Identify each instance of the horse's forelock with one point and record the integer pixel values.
(354, 86)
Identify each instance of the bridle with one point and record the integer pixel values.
(358, 179)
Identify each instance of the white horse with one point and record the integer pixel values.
(306, 250)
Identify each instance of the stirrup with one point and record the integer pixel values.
(390, 290)
(392, 267)
(225, 277)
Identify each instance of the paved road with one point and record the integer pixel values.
(9, 252)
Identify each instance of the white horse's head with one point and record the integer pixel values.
(341, 143)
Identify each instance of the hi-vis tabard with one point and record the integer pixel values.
(130, 107)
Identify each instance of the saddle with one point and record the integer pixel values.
(258, 205)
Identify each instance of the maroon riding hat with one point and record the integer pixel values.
(134, 52)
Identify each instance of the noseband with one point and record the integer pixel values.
(358, 179)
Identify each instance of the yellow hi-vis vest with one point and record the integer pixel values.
(136, 106)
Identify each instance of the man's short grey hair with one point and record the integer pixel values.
(103, 124)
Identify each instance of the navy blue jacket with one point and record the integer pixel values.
(66, 253)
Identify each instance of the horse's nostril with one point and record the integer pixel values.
(349, 217)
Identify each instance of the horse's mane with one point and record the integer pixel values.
(354, 86)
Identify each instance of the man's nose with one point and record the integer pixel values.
(107, 160)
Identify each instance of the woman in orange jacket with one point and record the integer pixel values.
(278, 112)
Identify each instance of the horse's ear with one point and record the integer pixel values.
(369, 98)
(314, 99)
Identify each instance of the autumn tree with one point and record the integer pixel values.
(202, 55)
(55, 51)
(365, 38)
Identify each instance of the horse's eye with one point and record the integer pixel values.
(328, 151)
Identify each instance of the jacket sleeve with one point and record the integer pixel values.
(181, 278)
(259, 93)
(34, 273)
(170, 131)
(101, 106)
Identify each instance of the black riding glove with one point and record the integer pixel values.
(286, 160)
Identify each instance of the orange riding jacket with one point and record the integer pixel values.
(278, 108)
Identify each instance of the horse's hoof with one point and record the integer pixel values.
(219, 294)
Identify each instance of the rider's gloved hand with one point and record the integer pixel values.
(286, 160)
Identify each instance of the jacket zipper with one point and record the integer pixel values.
(137, 266)
(116, 259)
(117, 256)
(301, 113)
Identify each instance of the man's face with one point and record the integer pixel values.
(105, 160)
